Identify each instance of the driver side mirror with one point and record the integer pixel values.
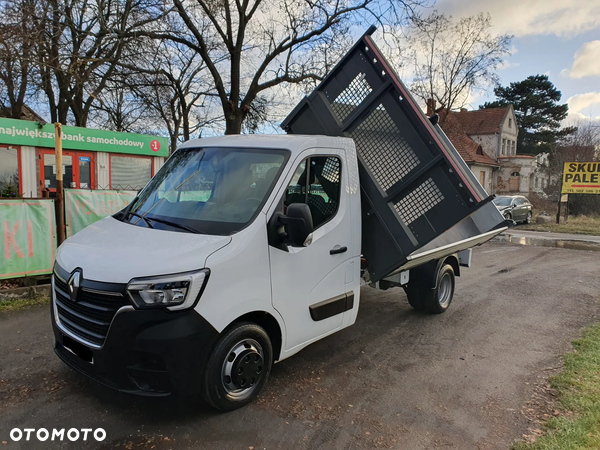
(298, 224)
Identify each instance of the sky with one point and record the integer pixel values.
(559, 38)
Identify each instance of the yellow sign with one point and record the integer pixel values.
(581, 178)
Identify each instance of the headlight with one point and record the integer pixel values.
(175, 292)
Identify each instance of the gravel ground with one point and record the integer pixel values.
(472, 378)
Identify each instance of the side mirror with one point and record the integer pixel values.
(298, 224)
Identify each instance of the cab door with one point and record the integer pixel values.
(309, 282)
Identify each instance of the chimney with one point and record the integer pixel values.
(430, 107)
(463, 109)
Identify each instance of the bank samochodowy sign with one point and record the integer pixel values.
(581, 178)
(24, 132)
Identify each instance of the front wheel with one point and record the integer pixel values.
(238, 367)
(437, 300)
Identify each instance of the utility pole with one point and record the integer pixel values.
(60, 194)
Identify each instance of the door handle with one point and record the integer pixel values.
(337, 250)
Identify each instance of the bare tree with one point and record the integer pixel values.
(84, 41)
(582, 145)
(251, 46)
(173, 85)
(118, 108)
(19, 32)
(452, 59)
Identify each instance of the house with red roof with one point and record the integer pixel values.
(480, 162)
(487, 141)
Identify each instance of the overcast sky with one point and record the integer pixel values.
(559, 38)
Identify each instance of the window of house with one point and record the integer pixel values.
(513, 145)
(509, 123)
(515, 174)
(537, 182)
(316, 182)
(9, 172)
(482, 178)
(503, 146)
(130, 173)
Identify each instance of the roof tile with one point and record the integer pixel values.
(470, 150)
(481, 121)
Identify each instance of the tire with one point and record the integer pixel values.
(415, 295)
(238, 367)
(508, 216)
(433, 301)
(439, 299)
(528, 218)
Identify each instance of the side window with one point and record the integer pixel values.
(317, 182)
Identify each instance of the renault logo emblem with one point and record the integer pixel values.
(74, 283)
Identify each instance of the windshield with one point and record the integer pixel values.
(209, 190)
(502, 201)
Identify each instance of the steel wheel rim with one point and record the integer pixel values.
(445, 290)
(226, 371)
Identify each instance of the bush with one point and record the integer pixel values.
(584, 204)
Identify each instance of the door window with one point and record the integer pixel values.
(78, 170)
(316, 182)
(50, 171)
(85, 172)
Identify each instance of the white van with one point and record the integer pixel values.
(243, 250)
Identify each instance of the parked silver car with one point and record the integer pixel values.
(515, 207)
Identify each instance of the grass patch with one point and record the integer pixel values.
(579, 392)
(23, 303)
(575, 225)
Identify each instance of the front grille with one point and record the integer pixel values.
(88, 318)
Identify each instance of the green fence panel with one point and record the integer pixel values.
(84, 207)
(28, 237)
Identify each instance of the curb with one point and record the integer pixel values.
(24, 292)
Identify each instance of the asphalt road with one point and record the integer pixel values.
(397, 379)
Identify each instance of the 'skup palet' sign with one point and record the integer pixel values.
(581, 178)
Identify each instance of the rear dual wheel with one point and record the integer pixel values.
(434, 301)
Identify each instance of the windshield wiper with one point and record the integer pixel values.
(131, 213)
(172, 224)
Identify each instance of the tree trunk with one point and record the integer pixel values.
(16, 110)
(173, 144)
(233, 120)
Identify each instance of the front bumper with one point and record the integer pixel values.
(147, 352)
